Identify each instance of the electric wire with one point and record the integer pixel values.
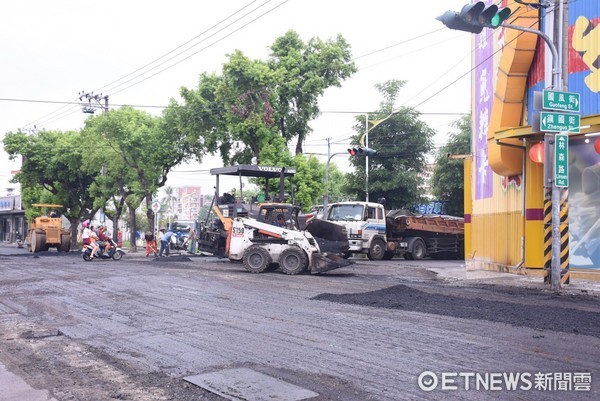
(196, 52)
(49, 117)
(180, 46)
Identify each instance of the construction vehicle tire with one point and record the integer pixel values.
(293, 260)
(38, 241)
(376, 250)
(65, 243)
(256, 259)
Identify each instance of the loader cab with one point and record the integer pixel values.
(279, 214)
(234, 203)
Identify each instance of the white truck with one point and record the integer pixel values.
(382, 235)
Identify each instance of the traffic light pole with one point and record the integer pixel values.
(367, 158)
(329, 156)
(556, 192)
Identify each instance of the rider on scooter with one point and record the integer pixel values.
(89, 238)
(104, 240)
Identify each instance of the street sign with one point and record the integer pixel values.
(559, 122)
(155, 206)
(561, 160)
(561, 101)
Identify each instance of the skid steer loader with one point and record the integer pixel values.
(253, 234)
(262, 245)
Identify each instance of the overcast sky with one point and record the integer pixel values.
(52, 50)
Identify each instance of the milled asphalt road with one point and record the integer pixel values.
(125, 322)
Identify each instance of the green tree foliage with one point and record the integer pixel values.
(241, 111)
(402, 142)
(338, 184)
(52, 164)
(447, 183)
(303, 72)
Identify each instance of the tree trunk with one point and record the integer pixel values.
(74, 231)
(132, 229)
(150, 213)
(299, 145)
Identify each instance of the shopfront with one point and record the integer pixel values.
(12, 218)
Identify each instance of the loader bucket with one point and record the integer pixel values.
(322, 262)
(331, 237)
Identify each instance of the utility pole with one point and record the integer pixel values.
(89, 104)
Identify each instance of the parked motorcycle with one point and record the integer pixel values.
(114, 252)
(179, 241)
(19, 239)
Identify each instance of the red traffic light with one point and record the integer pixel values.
(362, 151)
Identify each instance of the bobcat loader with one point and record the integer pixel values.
(263, 243)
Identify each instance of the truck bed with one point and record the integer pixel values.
(399, 221)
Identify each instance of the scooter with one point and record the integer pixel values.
(180, 243)
(114, 252)
(19, 240)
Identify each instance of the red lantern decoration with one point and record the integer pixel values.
(597, 145)
(536, 152)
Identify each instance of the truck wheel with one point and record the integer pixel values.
(256, 259)
(388, 255)
(293, 260)
(419, 250)
(377, 250)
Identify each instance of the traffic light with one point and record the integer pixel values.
(361, 151)
(474, 17)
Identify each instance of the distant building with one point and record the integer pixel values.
(12, 218)
(189, 202)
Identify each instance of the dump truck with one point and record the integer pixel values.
(45, 231)
(382, 234)
(269, 234)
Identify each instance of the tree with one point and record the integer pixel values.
(148, 146)
(52, 164)
(253, 102)
(402, 142)
(303, 72)
(447, 183)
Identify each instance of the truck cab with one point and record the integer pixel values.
(365, 225)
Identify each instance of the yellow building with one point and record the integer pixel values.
(507, 205)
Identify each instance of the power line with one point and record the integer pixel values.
(202, 49)
(397, 44)
(51, 117)
(179, 47)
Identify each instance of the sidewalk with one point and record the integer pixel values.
(460, 273)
